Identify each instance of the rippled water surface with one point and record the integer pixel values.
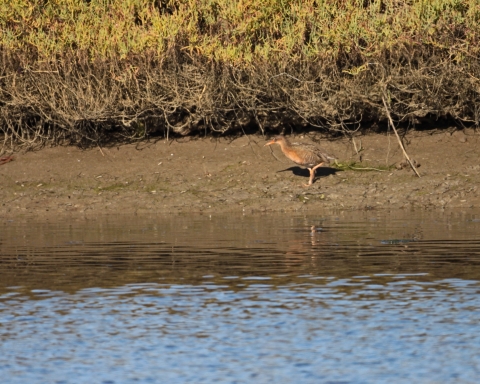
(318, 298)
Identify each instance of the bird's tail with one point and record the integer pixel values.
(327, 158)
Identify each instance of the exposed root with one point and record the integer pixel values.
(75, 101)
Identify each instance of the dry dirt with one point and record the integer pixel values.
(240, 175)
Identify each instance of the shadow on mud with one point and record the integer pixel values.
(319, 172)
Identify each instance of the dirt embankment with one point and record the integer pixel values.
(240, 175)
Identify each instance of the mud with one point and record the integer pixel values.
(241, 175)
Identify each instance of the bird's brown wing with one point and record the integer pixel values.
(325, 156)
(312, 155)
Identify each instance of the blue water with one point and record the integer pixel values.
(347, 298)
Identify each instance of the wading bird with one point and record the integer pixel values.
(307, 155)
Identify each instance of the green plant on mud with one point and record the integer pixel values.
(112, 187)
(93, 72)
(358, 166)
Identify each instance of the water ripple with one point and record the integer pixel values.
(259, 299)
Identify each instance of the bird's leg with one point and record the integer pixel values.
(317, 166)
(312, 174)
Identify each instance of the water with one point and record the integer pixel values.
(323, 298)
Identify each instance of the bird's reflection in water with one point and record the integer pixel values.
(307, 248)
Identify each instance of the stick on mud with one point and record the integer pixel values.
(398, 137)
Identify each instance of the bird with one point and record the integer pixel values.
(307, 155)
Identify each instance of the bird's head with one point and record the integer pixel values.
(275, 140)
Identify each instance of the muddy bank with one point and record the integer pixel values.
(240, 175)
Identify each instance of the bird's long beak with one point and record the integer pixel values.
(269, 143)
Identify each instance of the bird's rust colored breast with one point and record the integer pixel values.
(295, 156)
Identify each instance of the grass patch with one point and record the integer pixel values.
(112, 187)
(361, 167)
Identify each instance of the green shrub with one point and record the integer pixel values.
(90, 70)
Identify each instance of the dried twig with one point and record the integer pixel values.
(398, 137)
(357, 151)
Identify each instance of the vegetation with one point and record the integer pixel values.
(93, 71)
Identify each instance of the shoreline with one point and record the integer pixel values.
(240, 175)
